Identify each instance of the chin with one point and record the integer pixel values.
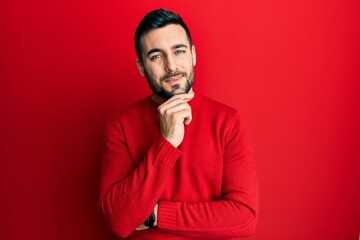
(178, 91)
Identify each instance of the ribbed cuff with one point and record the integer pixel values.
(167, 214)
(165, 153)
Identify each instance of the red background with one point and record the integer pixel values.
(290, 67)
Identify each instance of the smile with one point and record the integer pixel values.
(174, 80)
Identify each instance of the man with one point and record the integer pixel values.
(177, 165)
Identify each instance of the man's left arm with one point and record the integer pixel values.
(235, 214)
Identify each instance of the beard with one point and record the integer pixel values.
(176, 88)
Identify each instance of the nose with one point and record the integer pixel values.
(170, 64)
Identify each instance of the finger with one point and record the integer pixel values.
(176, 108)
(169, 105)
(184, 115)
(188, 119)
(141, 227)
(175, 100)
(184, 96)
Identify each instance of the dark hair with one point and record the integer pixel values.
(157, 19)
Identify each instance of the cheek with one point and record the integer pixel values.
(187, 62)
(154, 71)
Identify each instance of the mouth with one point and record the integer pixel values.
(174, 80)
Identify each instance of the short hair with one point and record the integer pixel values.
(157, 19)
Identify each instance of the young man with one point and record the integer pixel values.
(177, 165)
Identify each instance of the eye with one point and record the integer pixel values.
(154, 57)
(179, 51)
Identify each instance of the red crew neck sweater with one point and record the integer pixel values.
(207, 187)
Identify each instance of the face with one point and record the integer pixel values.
(167, 60)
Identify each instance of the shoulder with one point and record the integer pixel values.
(136, 109)
(220, 114)
(213, 107)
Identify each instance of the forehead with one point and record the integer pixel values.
(164, 37)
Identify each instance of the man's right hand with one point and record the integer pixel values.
(174, 113)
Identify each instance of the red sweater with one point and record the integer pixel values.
(207, 187)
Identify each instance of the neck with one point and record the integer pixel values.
(159, 100)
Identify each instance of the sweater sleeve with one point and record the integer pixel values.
(128, 193)
(235, 214)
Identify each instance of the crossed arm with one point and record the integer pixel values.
(129, 193)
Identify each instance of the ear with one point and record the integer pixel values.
(193, 55)
(140, 66)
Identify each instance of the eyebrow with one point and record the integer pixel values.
(180, 45)
(152, 51)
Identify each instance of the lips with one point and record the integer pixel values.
(174, 77)
(174, 80)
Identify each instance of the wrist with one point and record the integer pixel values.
(156, 214)
(151, 222)
(172, 141)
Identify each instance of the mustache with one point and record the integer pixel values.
(172, 74)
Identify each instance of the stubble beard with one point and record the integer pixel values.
(176, 88)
